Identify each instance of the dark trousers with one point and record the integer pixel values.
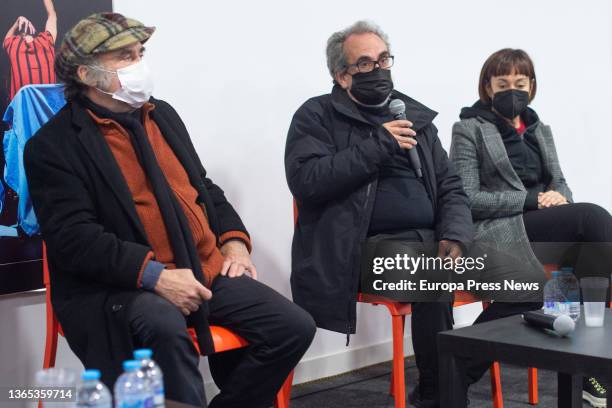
(580, 235)
(428, 319)
(278, 331)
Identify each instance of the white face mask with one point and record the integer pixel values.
(136, 84)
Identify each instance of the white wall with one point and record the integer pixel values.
(236, 71)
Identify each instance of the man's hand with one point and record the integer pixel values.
(237, 260)
(182, 289)
(400, 130)
(551, 198)
(449, 249)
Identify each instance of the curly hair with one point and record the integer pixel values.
(336, 59)
(68, 76)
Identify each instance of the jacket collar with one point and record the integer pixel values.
(419, 114)
(101, 155)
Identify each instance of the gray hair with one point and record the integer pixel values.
(73, 86)
(336, 59)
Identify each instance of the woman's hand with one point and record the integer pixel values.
(551, 198)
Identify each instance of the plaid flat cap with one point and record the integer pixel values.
(98, 33)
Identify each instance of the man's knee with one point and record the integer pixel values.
(155, 320)
(300, 326)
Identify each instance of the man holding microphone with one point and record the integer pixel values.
(349, 167)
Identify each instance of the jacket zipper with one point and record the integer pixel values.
(427, 180)
(365, 207)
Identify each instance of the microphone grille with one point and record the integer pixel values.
(564, 325)
(397, 106)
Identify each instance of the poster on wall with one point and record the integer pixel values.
(31, 31)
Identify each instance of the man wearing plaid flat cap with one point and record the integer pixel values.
(142, 245)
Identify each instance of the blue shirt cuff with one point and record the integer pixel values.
(151, 273)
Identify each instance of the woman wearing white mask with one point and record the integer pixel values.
(508, 162)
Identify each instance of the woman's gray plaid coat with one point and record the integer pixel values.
(495, 191)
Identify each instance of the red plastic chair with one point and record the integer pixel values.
(398, 312)
(223, 339)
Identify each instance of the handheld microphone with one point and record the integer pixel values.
(398, 110)
(561, 325)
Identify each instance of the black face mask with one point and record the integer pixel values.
(511, 103)
(372, 88)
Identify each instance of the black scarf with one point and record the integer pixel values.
(523, 151)
(177, 225)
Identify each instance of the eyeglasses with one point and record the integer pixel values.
(384, 62)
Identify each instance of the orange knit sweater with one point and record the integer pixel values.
(146, 204)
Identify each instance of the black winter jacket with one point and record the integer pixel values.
(96, 243)
(332, 159)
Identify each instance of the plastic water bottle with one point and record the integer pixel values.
(153, 374)
(131, 389)
(91, 393)
(553, 297)
(572, 292)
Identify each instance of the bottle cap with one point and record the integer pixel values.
(131, 365)
(89, 375)
(144, 353)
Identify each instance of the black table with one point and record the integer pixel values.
(585, 353)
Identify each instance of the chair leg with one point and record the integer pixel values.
(284, 394)
(496, 390)
(391, 390)
(392, 382)
(399, 384)
(51, 341)
(533, 385)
